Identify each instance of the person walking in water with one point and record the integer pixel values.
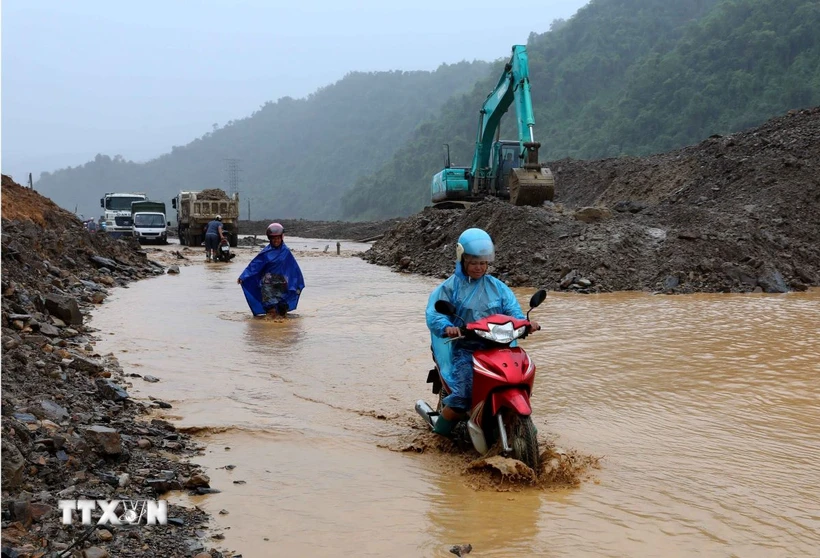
(213, 236)
(273, 281)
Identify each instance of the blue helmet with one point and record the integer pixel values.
(475, 242)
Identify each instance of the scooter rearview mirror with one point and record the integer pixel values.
(538, 298)
(445, 307)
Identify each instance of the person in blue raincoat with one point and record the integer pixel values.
(475, 295)
(273, 281)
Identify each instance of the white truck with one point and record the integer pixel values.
(117, 212)
(150, 224)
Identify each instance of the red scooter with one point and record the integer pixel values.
(502, 384)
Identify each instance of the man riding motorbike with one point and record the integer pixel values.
(475, 295)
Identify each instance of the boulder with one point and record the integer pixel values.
(592, 214)
(65, 308)
(110, 390)
(13, 464)
(85, 364)
(105, 439)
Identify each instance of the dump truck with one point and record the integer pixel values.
(507, 169)
(149, 221)
(195, 209)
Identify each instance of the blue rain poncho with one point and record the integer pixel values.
(474, 299)
(272, 278)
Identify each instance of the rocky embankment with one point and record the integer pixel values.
(739, 213)
(69, 428)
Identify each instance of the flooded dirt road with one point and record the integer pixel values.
(704, 409)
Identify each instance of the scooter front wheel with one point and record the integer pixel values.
(523, 439)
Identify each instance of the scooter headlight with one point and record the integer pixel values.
(501, 333)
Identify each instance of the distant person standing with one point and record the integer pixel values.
(213, 236)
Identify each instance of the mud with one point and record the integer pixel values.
(559, 469)
(738, 213)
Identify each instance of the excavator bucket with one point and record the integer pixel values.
(531, 186)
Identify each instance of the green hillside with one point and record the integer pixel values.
(296, 156)
(627, 77)
(621, 77)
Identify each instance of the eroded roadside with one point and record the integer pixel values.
(70, 430)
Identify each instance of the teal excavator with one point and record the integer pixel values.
(506, 169)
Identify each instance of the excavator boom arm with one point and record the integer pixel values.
(530, 183)
(513, 86)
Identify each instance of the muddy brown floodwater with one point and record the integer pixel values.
(704, 409)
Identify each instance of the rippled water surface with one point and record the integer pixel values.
(705, 408)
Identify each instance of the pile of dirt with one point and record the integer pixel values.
(212, 194)
(739, 213)
(69, 428)
(25, 204)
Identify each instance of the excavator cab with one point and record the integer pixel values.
(517, 176)
(505, 159)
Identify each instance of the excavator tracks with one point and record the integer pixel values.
(531, 186)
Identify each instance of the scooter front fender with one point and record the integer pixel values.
(516, 399)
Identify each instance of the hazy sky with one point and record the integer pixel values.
(134, 78)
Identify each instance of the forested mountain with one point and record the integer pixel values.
(621, 77)
(627, 77)
(297, 156)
